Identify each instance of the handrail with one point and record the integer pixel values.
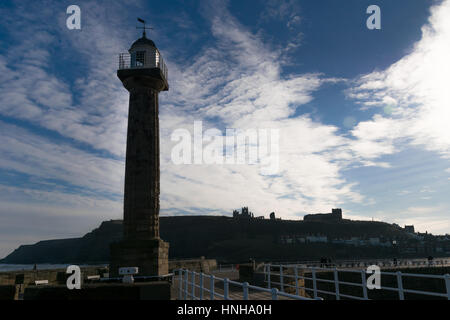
(388, 261)
(187, 285)
(284, 280)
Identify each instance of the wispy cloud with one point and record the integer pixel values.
(287, 11)
(424, 218)
(24, 152)
(235, 81)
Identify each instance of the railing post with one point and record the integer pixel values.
(225, 289)
(186, 284)
(401, 294)
(245, 291)
(364, 284)
(336, 284)
(296, 280)
(193, 285)
(274, 294)
(268, 276)
(180, 285)
(447, 285)
(281, 279)
(313, 272)
(211, 287)
(201, 286)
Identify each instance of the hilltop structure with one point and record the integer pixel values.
(335, 215)
(245, 214)
(409, 229)
(144, 74)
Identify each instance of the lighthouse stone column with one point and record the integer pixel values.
(141, 245)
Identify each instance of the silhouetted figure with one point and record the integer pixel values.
(395, 261)
(430, 260)
(35, 267)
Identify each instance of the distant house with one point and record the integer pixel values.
(409, 229)
(335, 215)
(317, 239)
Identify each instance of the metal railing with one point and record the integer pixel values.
(388, 263)
(200, 286)
(136, 277)
(148, 60)
(288, 276)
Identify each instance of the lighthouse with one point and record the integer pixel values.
(144, 74)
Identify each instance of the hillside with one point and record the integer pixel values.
(223, 238)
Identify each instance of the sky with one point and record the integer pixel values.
(362, 114)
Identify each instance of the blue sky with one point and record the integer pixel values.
(363, 114)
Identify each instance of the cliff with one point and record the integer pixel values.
(222, 238)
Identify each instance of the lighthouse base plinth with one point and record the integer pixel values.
(150, 256)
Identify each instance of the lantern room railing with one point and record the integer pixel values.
(130, 61)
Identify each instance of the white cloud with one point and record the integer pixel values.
(240, 85)
(414, 91)
(432, 219)
(90, 109)
(236, 81)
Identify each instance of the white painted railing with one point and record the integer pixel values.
(289, 276)
(189, 281)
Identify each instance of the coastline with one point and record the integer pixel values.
(5, 267)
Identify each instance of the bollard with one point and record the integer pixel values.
(274, 294)
(245, 290)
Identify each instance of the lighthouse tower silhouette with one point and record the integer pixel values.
(144, 74)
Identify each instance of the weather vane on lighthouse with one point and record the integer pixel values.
(144, 28)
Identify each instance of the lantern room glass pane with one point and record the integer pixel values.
(138, 59)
